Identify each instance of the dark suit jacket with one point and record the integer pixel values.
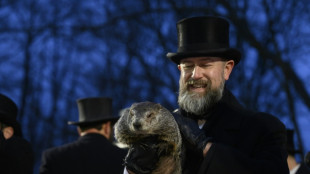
(16, 156)
(244, 142)
(90, 154)
(303, 169)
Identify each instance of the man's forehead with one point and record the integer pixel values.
(201, 59)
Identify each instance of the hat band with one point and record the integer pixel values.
(201, 47)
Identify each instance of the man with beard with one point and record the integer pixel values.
(219, 135)
(93, 152)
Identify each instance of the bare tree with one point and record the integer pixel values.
(56, 52)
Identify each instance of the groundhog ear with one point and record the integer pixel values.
(158, 106)
(124, 111)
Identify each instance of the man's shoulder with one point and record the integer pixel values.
(16, 142)
(59, 150)
(267, 118)
(264, 121)
(91, 142)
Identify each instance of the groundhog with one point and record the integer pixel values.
(148, 119)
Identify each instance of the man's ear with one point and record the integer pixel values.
(179, 67)
(106, 129)
(228, 67)
(79, 130)
(8, 132)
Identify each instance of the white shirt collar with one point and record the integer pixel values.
(294, 170)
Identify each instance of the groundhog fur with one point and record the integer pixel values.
(147, 119)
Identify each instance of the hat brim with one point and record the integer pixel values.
(79, 123)
(293, 151)
(7, 119)
(227, 53)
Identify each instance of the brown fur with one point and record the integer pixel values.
(148, 119)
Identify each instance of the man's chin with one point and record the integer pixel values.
(197, 93)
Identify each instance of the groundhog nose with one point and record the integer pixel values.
(137, 126)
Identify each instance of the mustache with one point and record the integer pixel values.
(196, 82)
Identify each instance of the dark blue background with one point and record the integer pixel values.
(55, 52)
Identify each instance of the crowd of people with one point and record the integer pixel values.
(220, 136)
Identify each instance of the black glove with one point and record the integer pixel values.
(143, 156)
(190, 130)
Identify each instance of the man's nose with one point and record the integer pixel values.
(197, 72)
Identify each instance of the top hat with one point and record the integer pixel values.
(204, 36)
(93, 110)
(8, 114)
(290, 146)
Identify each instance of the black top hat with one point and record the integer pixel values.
(290, 146)
(8, 114)
(92, 110)
(204, 36)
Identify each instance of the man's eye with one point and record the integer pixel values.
(205, 65)
(188, 66)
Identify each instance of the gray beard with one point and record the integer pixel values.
(196, 103)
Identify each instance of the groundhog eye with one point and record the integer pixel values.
(150, 115)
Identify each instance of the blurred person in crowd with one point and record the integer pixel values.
(307, 159)
(16, 154)
(94, 151)
(219, 135)
(294, 166)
